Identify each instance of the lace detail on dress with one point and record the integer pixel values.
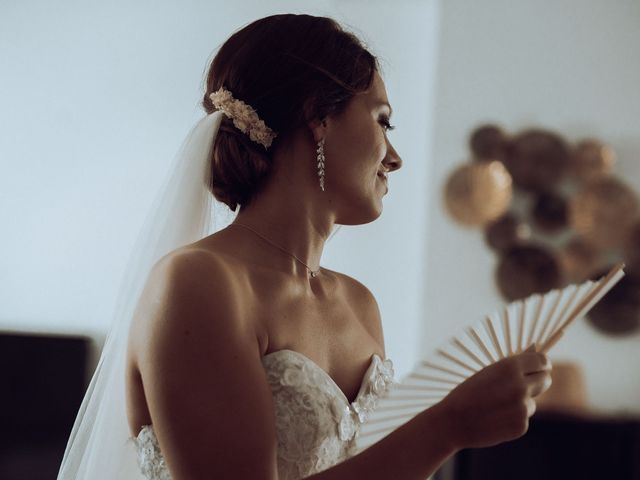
(316, 425)
(150, 457)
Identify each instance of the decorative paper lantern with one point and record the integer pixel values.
(537, 160)
(488, 143)
(478, 193)
(619, 310)
(604, 211)
(550, 212)
(553, 213)
(527, 270)
(591, 159)
(506, 232)
(632, 249)
(579, 260)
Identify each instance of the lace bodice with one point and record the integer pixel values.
(316, 425)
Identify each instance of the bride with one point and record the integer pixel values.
(243, 357)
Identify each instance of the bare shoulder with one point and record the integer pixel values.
(364, 302)
(193, 281)
(201, 371)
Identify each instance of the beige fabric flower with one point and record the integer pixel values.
(244, 117)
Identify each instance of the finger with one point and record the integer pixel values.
(531, 407)
(533, 362)
(538, 383)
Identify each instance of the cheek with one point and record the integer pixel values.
(362, 146)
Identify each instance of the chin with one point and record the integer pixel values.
(363, 215)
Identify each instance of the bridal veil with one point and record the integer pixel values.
(100, 446)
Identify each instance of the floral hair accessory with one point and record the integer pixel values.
(244, 117)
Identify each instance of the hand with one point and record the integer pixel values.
(495, 404)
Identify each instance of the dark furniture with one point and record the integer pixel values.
(43, 380)
(558, 446)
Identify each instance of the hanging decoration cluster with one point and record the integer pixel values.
(554, 214)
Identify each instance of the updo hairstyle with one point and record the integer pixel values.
(291, 69)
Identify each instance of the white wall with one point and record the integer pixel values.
(97, 97)
(572, 66)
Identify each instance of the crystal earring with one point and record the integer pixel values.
(320, 159)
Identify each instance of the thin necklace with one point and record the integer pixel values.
(314, 273)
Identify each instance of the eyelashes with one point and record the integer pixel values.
(384, 121)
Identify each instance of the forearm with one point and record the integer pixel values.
(414, 451)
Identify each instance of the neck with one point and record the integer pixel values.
(292, 222)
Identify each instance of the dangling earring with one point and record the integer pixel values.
(320, 159)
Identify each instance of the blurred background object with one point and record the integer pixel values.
(478, 193)
(550, 213)
(603, 211)
(562, 219)
(487, 143)
(618, 313)
(537, 159)
(44, 378)
(568, 392)
(591, 159)
(525, 270)
(579, 260)
(506, 232)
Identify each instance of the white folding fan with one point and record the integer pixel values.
(540, 320)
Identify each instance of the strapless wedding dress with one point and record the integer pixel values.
(316, 424)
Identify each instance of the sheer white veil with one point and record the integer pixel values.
(184, 211)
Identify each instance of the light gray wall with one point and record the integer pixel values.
(572, 66)
(96, 99)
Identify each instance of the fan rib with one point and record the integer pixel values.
(422, 376)
(405, 398)
(494, 338)
(523, 310)
(420, 388)
(390, 418)
(469, 353)
(600, 288)
(456, 361)
(383, 431)
(536, 318)
(444, 369)
(400, 407)
(549, 316)
(478, 341)
(507, 330)
(563, 313)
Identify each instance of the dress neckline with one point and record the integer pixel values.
(375, 359)
(364, 383)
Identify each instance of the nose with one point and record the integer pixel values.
(392, 161)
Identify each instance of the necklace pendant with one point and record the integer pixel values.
(313, 274)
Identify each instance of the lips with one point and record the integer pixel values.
(383, 179)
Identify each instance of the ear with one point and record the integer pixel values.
(318, 128)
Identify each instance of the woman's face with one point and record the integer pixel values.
(357, 152)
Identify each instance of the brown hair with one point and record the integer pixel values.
(290, 69)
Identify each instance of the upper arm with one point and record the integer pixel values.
(205, 386)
